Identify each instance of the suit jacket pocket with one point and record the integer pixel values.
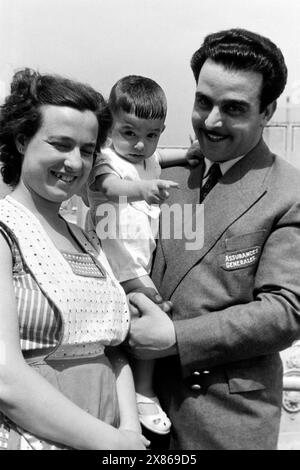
(243, 242)
(255, 374)
(240, 380)
(238, 264)
(242, 251)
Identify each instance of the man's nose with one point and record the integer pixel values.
(139, 145)
(214, 118)
(73, 160)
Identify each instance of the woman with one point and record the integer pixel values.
(60, 304)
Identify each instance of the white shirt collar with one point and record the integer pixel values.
(224, 166)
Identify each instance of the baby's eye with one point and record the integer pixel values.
(152, 136)
(129, 134)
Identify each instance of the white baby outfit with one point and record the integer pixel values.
(127, 230)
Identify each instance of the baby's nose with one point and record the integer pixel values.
(139, 145)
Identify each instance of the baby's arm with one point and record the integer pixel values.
(151, 191)
(171, 156)
(138, 284)
(145, 285)
(180, 156)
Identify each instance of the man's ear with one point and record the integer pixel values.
(268, 112)
(20, 142)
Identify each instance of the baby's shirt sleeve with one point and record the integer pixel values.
(103, 165)
(156, 164)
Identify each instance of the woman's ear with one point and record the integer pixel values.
(20, 142)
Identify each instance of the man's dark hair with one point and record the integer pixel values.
(239, 49)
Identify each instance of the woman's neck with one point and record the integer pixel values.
(47, 213)
(40, 207)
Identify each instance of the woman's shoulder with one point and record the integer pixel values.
(6, 235)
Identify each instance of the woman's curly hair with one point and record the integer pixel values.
(20, 114)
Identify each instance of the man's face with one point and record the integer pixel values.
(226, 117)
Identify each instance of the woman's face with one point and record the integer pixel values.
(59, 157)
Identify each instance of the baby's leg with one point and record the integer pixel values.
(143, 376)
(151, 415)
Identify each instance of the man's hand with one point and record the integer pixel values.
(194, 154)
(152, 333)
(156, 191)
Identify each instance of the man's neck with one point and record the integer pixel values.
(224, 166)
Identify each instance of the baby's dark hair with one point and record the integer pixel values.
(140, 96)
(239, 49)
(20, 114)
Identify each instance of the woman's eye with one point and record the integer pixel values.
(87, 153)
(60, 146)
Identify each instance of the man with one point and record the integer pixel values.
(236, 300)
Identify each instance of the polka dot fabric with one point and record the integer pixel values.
(94, 310)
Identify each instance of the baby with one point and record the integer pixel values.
(124, 193)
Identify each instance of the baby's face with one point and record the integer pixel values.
(133, 138)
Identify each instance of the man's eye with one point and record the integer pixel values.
(203, 102)
(234, 109)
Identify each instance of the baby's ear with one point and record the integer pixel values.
(108, 142)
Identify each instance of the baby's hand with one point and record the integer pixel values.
(152, 294)
(156, 191)
(194, 154)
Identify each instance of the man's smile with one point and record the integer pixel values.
(214, 137)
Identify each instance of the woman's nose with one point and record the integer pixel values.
(73, 160)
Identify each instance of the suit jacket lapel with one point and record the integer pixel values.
(237, 190)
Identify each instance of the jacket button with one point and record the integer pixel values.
(206, 372)
(195, 387)
(196, 373)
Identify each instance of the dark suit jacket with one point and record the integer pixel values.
(236, 304)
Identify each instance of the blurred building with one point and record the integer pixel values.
(283, 134)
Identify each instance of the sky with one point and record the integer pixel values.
(99, 41)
